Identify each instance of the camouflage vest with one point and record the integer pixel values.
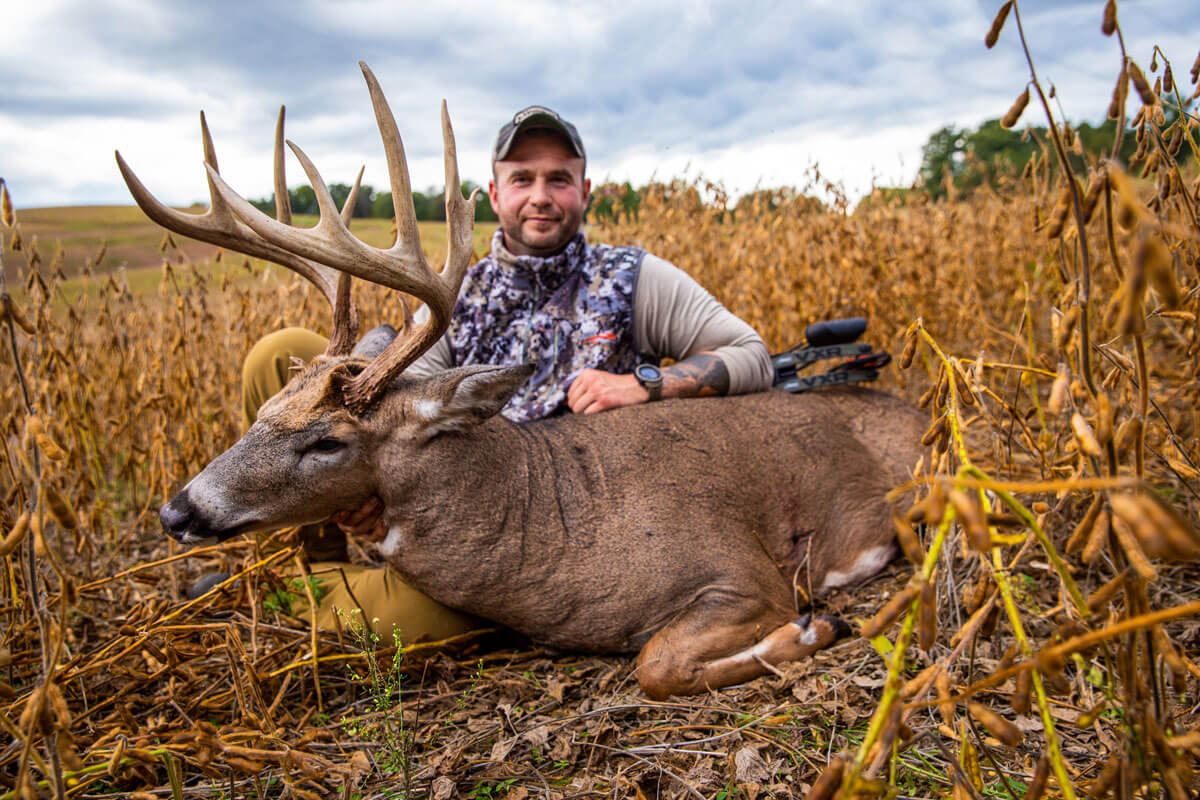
(563, 314)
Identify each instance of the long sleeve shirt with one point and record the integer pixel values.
(673, 317)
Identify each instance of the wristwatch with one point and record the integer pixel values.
(650, 377)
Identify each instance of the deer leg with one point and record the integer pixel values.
(720, 641)
(864, 545)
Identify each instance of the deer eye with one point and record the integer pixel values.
(326, 445)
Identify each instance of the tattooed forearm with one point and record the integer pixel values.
(702, 375)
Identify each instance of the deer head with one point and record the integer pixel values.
(307, 455)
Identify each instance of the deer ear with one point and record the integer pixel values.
(466, 396)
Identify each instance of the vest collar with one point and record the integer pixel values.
(543, 273)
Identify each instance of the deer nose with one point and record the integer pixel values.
(176, 516)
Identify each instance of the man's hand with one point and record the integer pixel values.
(365, 522)
(595, 390)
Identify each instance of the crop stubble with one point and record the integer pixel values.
(1046, 612)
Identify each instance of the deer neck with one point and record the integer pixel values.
(479, 505)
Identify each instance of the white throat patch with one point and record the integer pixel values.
(390, 546)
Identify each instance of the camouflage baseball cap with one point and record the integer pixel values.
(532, 118)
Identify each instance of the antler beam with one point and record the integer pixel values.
(220, 227)
(402, 266)
(328, 254)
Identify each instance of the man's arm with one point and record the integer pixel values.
(674, 317)
(701, 375)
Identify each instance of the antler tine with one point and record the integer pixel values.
(345, 316)
(368, 385)
(460, 213)
(210, 157)
(330, 243)
(219, 226)
(283, 200)
(393, 148)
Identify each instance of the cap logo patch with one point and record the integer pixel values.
(529, 112)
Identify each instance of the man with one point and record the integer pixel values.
(595, 320)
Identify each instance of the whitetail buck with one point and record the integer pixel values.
(680, 528)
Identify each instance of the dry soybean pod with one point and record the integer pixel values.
(1097, 539)
(1101, 597)
(934, 431)
(910, 347)
(1037, 784)
(945, 706)
(1133, 551)
(1014, 112)
(1104, 418)
(962, 386)
(930, 508)
(1084, 529)
(917, 683)
(14, 313)
(829, 781)
(60, 509)
(1088, 718)
(1181, 537)
(974, 524)
(993, 34)
(910, 543)
(927, 624)
(1156, 262)
(1151, 537)
(1085, 436)
(1021, 696)
(1174, 662)
(996, 725)
(1127, 434)
(1059, 390)
(13, 538)
(892, 609)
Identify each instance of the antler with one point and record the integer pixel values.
(402, 266)
(219, 226)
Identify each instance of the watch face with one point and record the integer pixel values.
(647, 372)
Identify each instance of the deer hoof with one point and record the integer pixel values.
(841, 629)
(836, 626)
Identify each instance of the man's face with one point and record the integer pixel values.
(539, 193)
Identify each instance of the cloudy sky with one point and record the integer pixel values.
(744, 92)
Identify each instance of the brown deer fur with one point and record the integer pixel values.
(674, 528)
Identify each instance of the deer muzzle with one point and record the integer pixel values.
(182, 521)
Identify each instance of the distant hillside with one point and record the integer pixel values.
(133, 241)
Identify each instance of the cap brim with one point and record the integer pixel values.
(538, 121)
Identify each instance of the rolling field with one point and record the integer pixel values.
(112, 238)
(1039, 637)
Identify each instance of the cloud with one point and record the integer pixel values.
(749, 93)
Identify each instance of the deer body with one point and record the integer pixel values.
(675, 528)
(591, 533)
(679, 529)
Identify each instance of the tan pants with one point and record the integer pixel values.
(361, 595)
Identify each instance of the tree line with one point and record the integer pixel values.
(429, 205)
(967, 159)
(607, 202)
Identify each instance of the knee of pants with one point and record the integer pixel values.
(268, 366)
(377, 599)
